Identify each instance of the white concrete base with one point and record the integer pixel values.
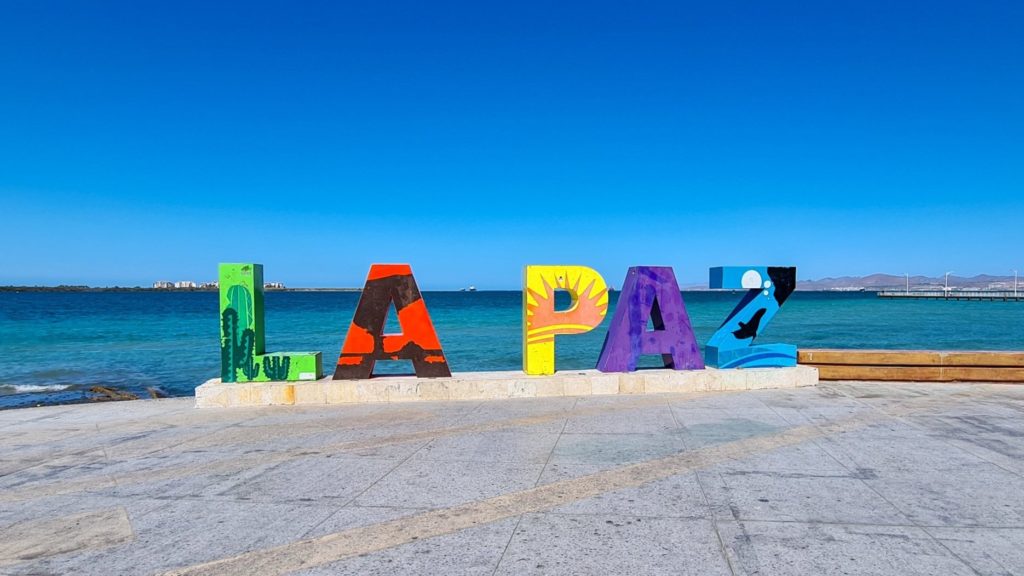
(497, 385)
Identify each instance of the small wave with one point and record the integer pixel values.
(32, 388)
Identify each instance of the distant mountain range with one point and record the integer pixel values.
(875, 282)
(890, 281)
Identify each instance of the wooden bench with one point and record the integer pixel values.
(915, 365)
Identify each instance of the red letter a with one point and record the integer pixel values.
(366, 342)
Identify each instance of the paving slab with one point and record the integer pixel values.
(678, 496)
(764, 548)
(491, 446)
(470, 552)
(989, 551)
(839, 478)
(613, 544)
(420, 483)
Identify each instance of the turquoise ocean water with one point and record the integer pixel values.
(54, 346)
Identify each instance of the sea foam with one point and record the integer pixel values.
(32, 388)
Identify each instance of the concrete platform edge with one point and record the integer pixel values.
(497, 385)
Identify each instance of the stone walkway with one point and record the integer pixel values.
(842, 478)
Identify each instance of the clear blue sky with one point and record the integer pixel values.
(151, 140)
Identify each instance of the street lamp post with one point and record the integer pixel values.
(908, 282)
(947, 283)
(1015, 284)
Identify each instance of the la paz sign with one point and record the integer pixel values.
(650, 294)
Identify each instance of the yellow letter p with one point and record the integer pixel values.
(541, 321)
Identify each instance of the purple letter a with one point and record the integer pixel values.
(650, 292)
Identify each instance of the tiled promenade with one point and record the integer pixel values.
(841, 478)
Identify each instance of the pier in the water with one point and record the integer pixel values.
(1005, 296)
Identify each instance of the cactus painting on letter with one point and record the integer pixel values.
(228, 344)
(237, 350)
(276, 367)
(247, 362)
(241, 302)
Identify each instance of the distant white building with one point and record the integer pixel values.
(274, 285)
(185, 284)
(214, 284)
(163, 284)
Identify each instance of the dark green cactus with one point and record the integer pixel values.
(228, 345)
(240, 299)
(245, 356)
(276, 367)
(236, 351)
